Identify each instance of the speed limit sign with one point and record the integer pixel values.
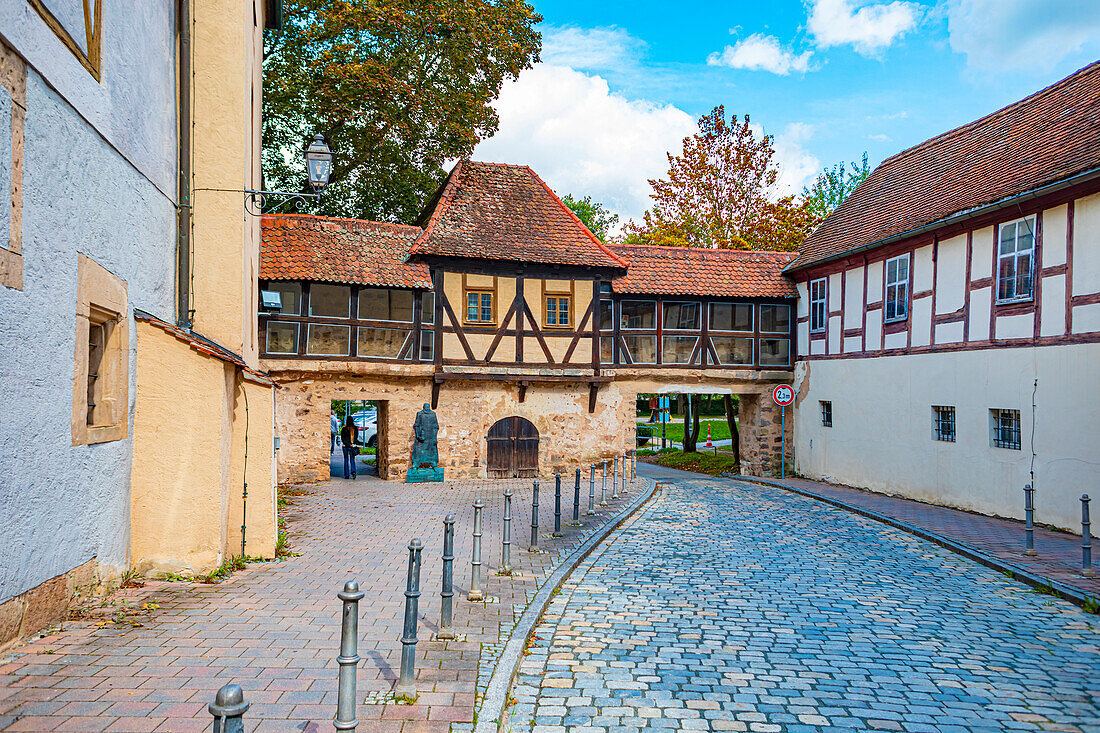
(783, 395)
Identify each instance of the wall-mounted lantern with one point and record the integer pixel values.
(318, 159)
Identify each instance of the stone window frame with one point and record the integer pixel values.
(101, 300)
(13, 77)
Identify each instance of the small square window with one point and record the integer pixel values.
(1004, 427)
(826, 414)
(943, 423)
(479, 306)
(557, 311)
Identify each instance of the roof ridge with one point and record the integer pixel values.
(319, 217)
(674, 247)
(445, 195)
(576, 219)
(943, 136)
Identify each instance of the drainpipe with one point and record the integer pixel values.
(183, 208)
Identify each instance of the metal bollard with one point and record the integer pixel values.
(446, 606)
(591, 490)
(534, 546)
(557, 505)
(615, 481)
(349, 657)
(406, 683)
(506, 545)
(622, 488)
(1029, 520)
(634, 465)
(475, 593)
(228, 709)
(603, 485)
(577, 498)
(1086, 539)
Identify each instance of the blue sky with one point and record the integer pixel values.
(621, 83)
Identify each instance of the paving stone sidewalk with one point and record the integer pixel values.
(729, 606)
(274, 628)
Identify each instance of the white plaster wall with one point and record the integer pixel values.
(979, 314)
(882, 436)
(1053, 318)
(981, 258)
(922, 269)
(1015, 327)
(950, 274)
(921, 321)
(1086, 318)
(61, 505)
(853, 298)
(1086, 246)
(1054, 235)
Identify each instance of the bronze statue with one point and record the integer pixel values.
(424, 465)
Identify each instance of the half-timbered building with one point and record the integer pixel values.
(949, 315)
(529, 337)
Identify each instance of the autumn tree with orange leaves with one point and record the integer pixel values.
(720, 191)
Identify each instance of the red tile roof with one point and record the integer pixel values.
(1044, 138)
(658, 270)
(505, 212)
(305, 247)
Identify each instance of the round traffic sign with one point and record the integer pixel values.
(783, 394)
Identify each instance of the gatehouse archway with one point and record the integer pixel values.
(513, 449)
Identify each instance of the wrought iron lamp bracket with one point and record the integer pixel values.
(256, 202)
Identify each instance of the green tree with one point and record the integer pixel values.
(597, 217)
(833, 185)
(720, 191)
(397, 87)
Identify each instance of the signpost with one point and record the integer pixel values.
(662, 411)
(783, 395)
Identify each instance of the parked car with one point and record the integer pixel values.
(366, 423)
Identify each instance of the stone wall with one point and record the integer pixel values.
(759, 423)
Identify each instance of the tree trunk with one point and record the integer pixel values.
(691, 427)
(731, 420)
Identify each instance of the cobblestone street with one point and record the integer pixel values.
(274, 628)
(727, 606)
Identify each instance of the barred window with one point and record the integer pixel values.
(1005, 428)
(826, 414)
(943, 423)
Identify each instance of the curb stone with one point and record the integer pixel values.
(491, 717)
(1022, 575)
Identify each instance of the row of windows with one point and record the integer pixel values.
(731, 350)
(1004, 425)
(329, 339)
(641, 315)
(335, 301)
(1015, 281)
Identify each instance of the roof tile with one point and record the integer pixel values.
(732, 273)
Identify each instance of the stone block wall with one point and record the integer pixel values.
(759, 424)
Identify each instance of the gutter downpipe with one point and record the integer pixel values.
(183, 208)
(1009, 202)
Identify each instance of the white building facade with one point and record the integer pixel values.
(948, 331)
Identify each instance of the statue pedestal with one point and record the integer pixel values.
(424, 475)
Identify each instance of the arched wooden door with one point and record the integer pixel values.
(513, 449)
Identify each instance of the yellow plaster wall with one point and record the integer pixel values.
(257, 467)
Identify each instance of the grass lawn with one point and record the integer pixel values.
(719, 430)
(708, 463)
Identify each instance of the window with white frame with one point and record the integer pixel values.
(896, 306)
(1015, 260)
(817, 305)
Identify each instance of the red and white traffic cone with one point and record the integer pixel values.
(709, 444)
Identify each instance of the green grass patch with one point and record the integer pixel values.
(709, 463)
(719, 430)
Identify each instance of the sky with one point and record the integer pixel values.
(620, 84)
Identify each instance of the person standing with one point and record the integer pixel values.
(334, 425)
(347, 441)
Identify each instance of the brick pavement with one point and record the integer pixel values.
(730, 606)
(274, 628)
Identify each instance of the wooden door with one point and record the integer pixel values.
(513, 450)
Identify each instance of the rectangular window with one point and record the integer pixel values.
(327, 340)
(99, 333)
(101, 357)
(479, 306)
(1005, 428)
(607, 317)
(642, 349)
(291, 296)
(1015, 260)
(677, 349)
(427, 345)
(638, 314)
(385, 343)
(282, 338)
(896, 306)
(556, 314)
(775, 352)
(775, 318)
(733, 351)
(730, 317)
(427, 307)
(385, 304)
(826, 414)
(605, 350)
(943, 423)
(681, 316)
(817, 305)
(329, 301)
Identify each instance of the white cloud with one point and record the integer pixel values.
(594, 49)
(797, 168)
(879, 137)
(759, 52)
(869, 29)
(583, 139)
(999, 35)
